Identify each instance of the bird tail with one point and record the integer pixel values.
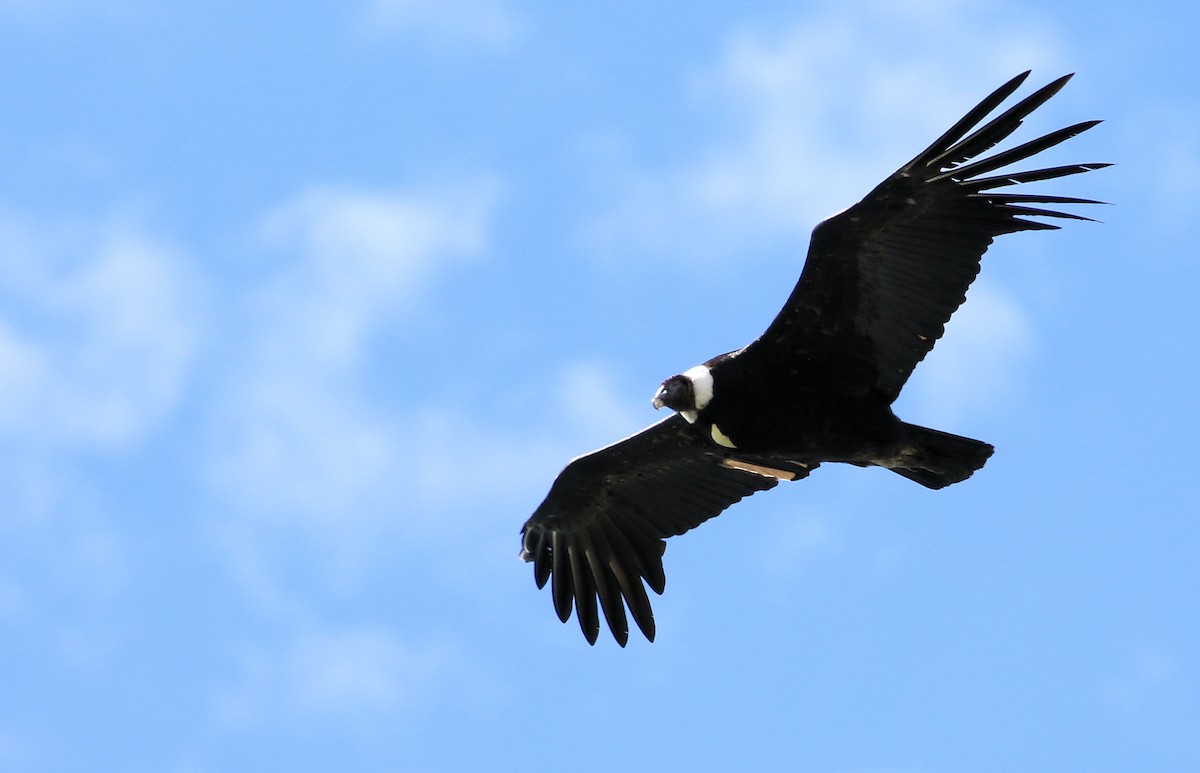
(937, 459)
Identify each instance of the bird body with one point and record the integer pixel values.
(880, 281)
(799, 413)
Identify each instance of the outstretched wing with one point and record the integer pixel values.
(600, 531)
(883, 277)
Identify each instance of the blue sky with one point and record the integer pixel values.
(303, 306)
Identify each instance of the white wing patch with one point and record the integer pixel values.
(758, 469)
(720, 438)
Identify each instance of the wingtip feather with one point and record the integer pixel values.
(560, 587)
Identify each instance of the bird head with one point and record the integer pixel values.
(676, 393)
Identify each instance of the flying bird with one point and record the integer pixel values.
(879, 284)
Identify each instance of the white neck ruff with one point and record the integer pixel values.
(702, 385)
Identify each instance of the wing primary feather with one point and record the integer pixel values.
(956, 132)
(543, 562)
(1040, 212)
(1032, 176)
(631, 585)
(1035, 198)
(560, 586)
(1019, 153)
(998, 129)
(1018, 224)
(656, 578)
(640, 548)
(585, 595)
(649, 548)
(600, 559)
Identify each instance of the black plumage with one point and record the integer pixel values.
(880, 282)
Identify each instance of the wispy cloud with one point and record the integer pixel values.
(99, 332)
(585, 408)
(310, 462)
(351, 674)
(446, 22)
(363, 254)
(101, 325)
(817, 113)
(297, 432)
(977, 366)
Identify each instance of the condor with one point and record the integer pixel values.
(879, 284)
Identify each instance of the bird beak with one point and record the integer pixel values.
(657, 402)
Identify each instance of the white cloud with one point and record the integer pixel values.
(358, 668)
(591, 399)
(363, 255)
(454, 458)
(977, 366)
(352, 674)
(457, 456)
(293, 446)
(295, 430)
(819, 112)
(100, 328)
(23, 369)
(446, 22)
(311, 464)
(99, 332)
